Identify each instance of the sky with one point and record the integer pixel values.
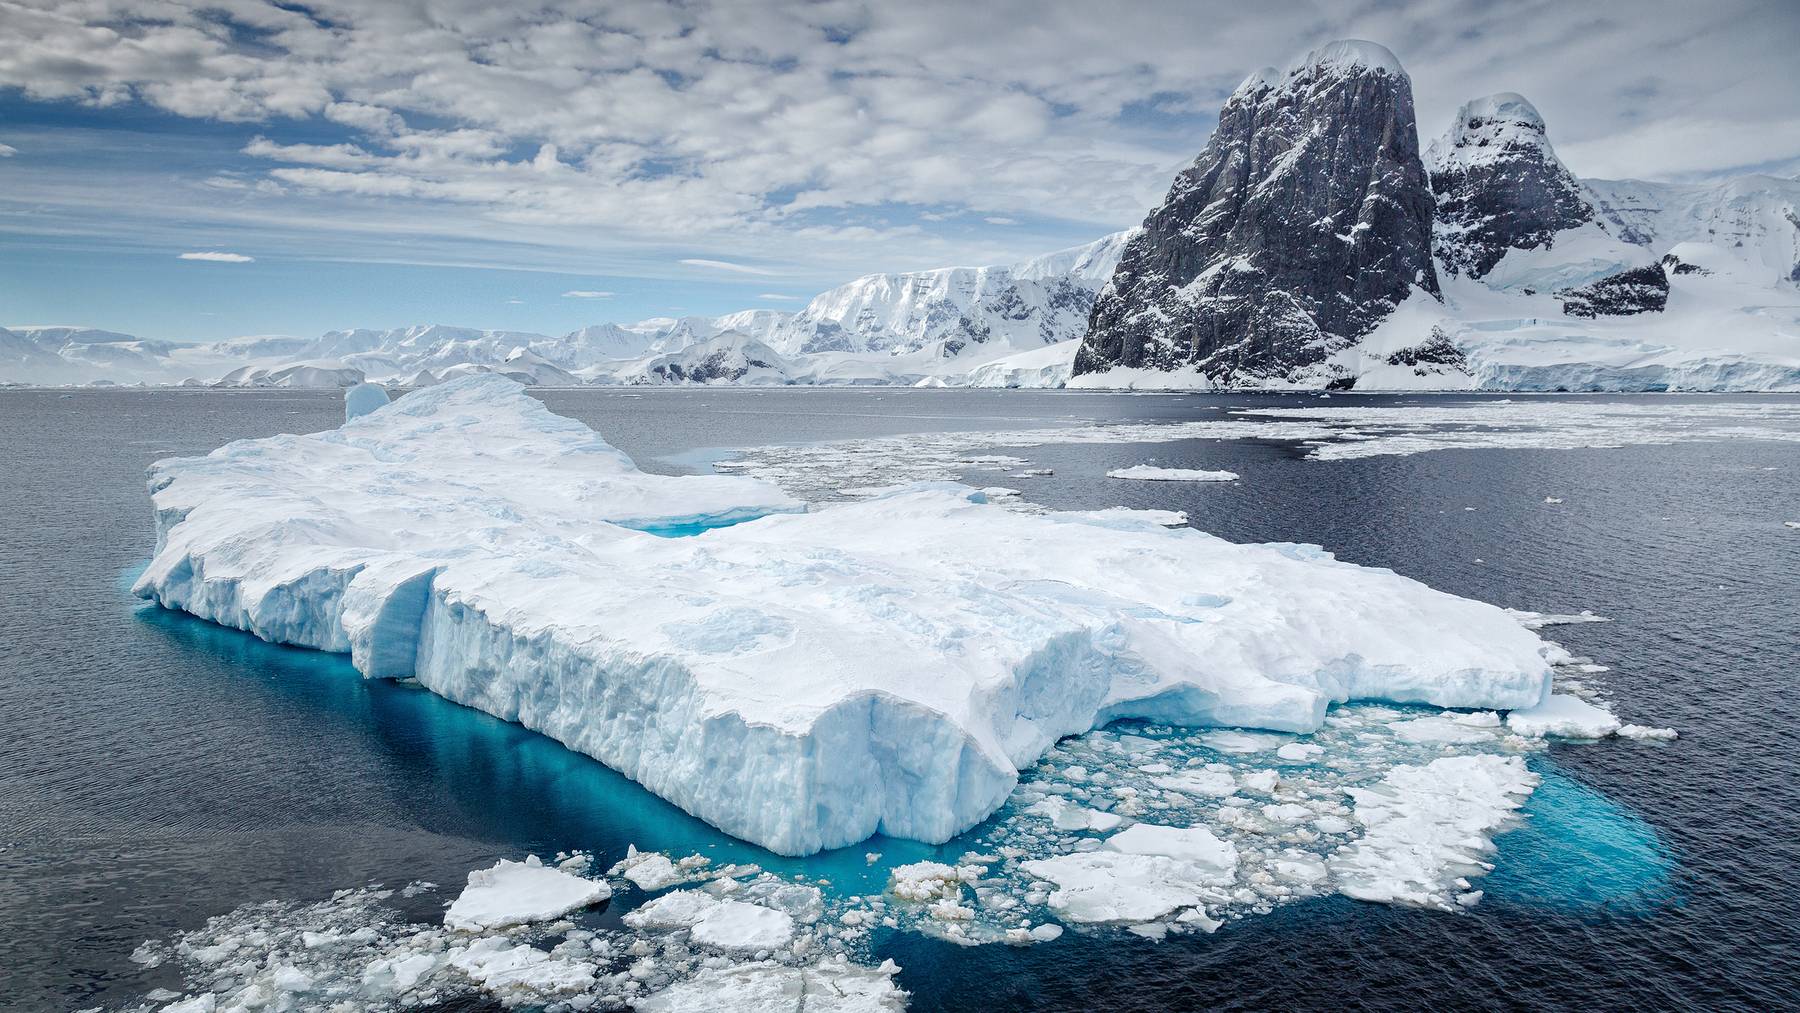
(195, 171)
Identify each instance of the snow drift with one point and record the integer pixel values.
(798, 678)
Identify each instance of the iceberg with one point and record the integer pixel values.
(801, 678)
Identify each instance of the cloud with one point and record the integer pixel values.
(778, 297)
(8, 151)
(218, 257)
(582, 293)
(815, 137)
(725, 265)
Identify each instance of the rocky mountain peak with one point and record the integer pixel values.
(1499, 185)
(1305, 221)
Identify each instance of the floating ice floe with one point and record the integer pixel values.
(1423, 822)
(1151, 473)
(515, 893)
(799, 679)
(1566, 716)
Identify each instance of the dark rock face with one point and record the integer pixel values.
(1675, 265)
(1436, 354)
(1499, 186)
(725, 359)
(1305, 221)
(1639, 290)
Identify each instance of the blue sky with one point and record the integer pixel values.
(390, 162)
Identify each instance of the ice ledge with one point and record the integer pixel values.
(805, 679)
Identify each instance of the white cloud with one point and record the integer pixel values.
(582, 293)
(8, 151)
(725, 265)
(778, 297)
(218, 257)
(832, 136)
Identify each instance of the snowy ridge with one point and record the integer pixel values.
(950, 310)
(793, 680)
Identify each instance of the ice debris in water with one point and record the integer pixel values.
(1539, 620)
(832, 470)
(744, 941)
(1151, 473)
(759, 664)
(1141, 827)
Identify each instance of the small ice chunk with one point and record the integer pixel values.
(1329, 824)
(735, 925)
(1112, 886)
(922, 882)
(517, 893)
(1539, 620)
(1260, 781)
(1286, 812)
(677, 910)
(1212, 783)
(1644, 732)
(1066, 815)
(1188, 844)
(1446, 728)
(1151, 473)
(768, 987)
(1232, 741)
(654, 872)
(1299, 752)
(1566, 716)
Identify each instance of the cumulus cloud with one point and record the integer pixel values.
(788, 131)
(583, 293)
(218, 257)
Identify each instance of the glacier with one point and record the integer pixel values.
(799, 677)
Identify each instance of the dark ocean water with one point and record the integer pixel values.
(156, 770)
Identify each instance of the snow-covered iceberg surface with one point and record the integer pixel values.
(800, 679)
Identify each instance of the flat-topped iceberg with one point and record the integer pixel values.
(799, 678)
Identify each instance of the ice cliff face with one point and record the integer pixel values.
(798, 679)
(1499, 186)
(1305, 221)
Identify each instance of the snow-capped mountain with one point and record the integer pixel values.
(1547, 281)
(1305, 221)
(956, 310)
